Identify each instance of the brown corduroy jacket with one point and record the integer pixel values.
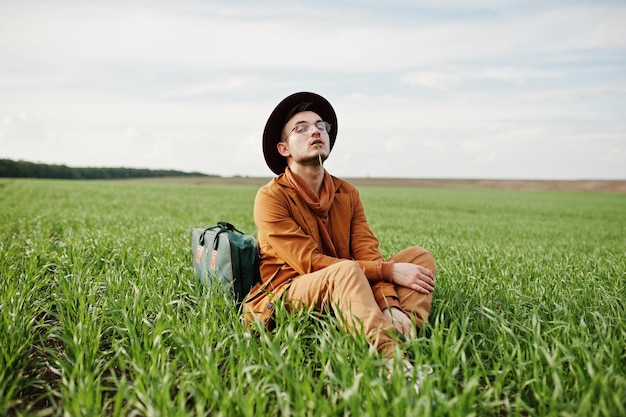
(290, 244)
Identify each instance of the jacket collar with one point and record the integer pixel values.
(283, 181)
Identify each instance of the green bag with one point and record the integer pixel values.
(223, 255)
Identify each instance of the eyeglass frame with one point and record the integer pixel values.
(327, 127)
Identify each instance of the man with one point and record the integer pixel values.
(317, 248)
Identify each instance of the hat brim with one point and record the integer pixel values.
(275, 123)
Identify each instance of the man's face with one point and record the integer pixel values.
(301, 148)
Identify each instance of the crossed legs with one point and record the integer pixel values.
(345, 288)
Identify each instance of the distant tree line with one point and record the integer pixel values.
(24, 169)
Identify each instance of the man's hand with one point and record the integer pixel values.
(400, 321)
(414, 276)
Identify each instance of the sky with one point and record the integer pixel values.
(494, 89)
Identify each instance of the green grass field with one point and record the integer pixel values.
(100, 313)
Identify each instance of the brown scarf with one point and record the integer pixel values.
(319, 204)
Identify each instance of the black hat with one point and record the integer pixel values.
(291, 105)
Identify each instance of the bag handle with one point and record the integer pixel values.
(228, 226)
(223, 226)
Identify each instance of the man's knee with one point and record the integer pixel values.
(419, 256)
(429, 260)
(349, 273)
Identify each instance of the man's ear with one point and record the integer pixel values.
(283, 149)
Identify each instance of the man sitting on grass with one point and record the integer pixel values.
(317, 248)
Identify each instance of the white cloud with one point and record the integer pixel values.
(516, 74)
(21, 128)
(23, 137)
(485, 159)
(573, 94)
(202, 88)
(615, 155)
(431, 79)
(436, 146)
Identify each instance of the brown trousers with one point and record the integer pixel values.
(345, 288)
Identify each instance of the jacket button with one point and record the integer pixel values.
(270, 306)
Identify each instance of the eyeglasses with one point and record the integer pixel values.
(305, 127)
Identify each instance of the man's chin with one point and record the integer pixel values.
(313, 161)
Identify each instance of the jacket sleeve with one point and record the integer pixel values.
(365, 248)
(364, 245)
